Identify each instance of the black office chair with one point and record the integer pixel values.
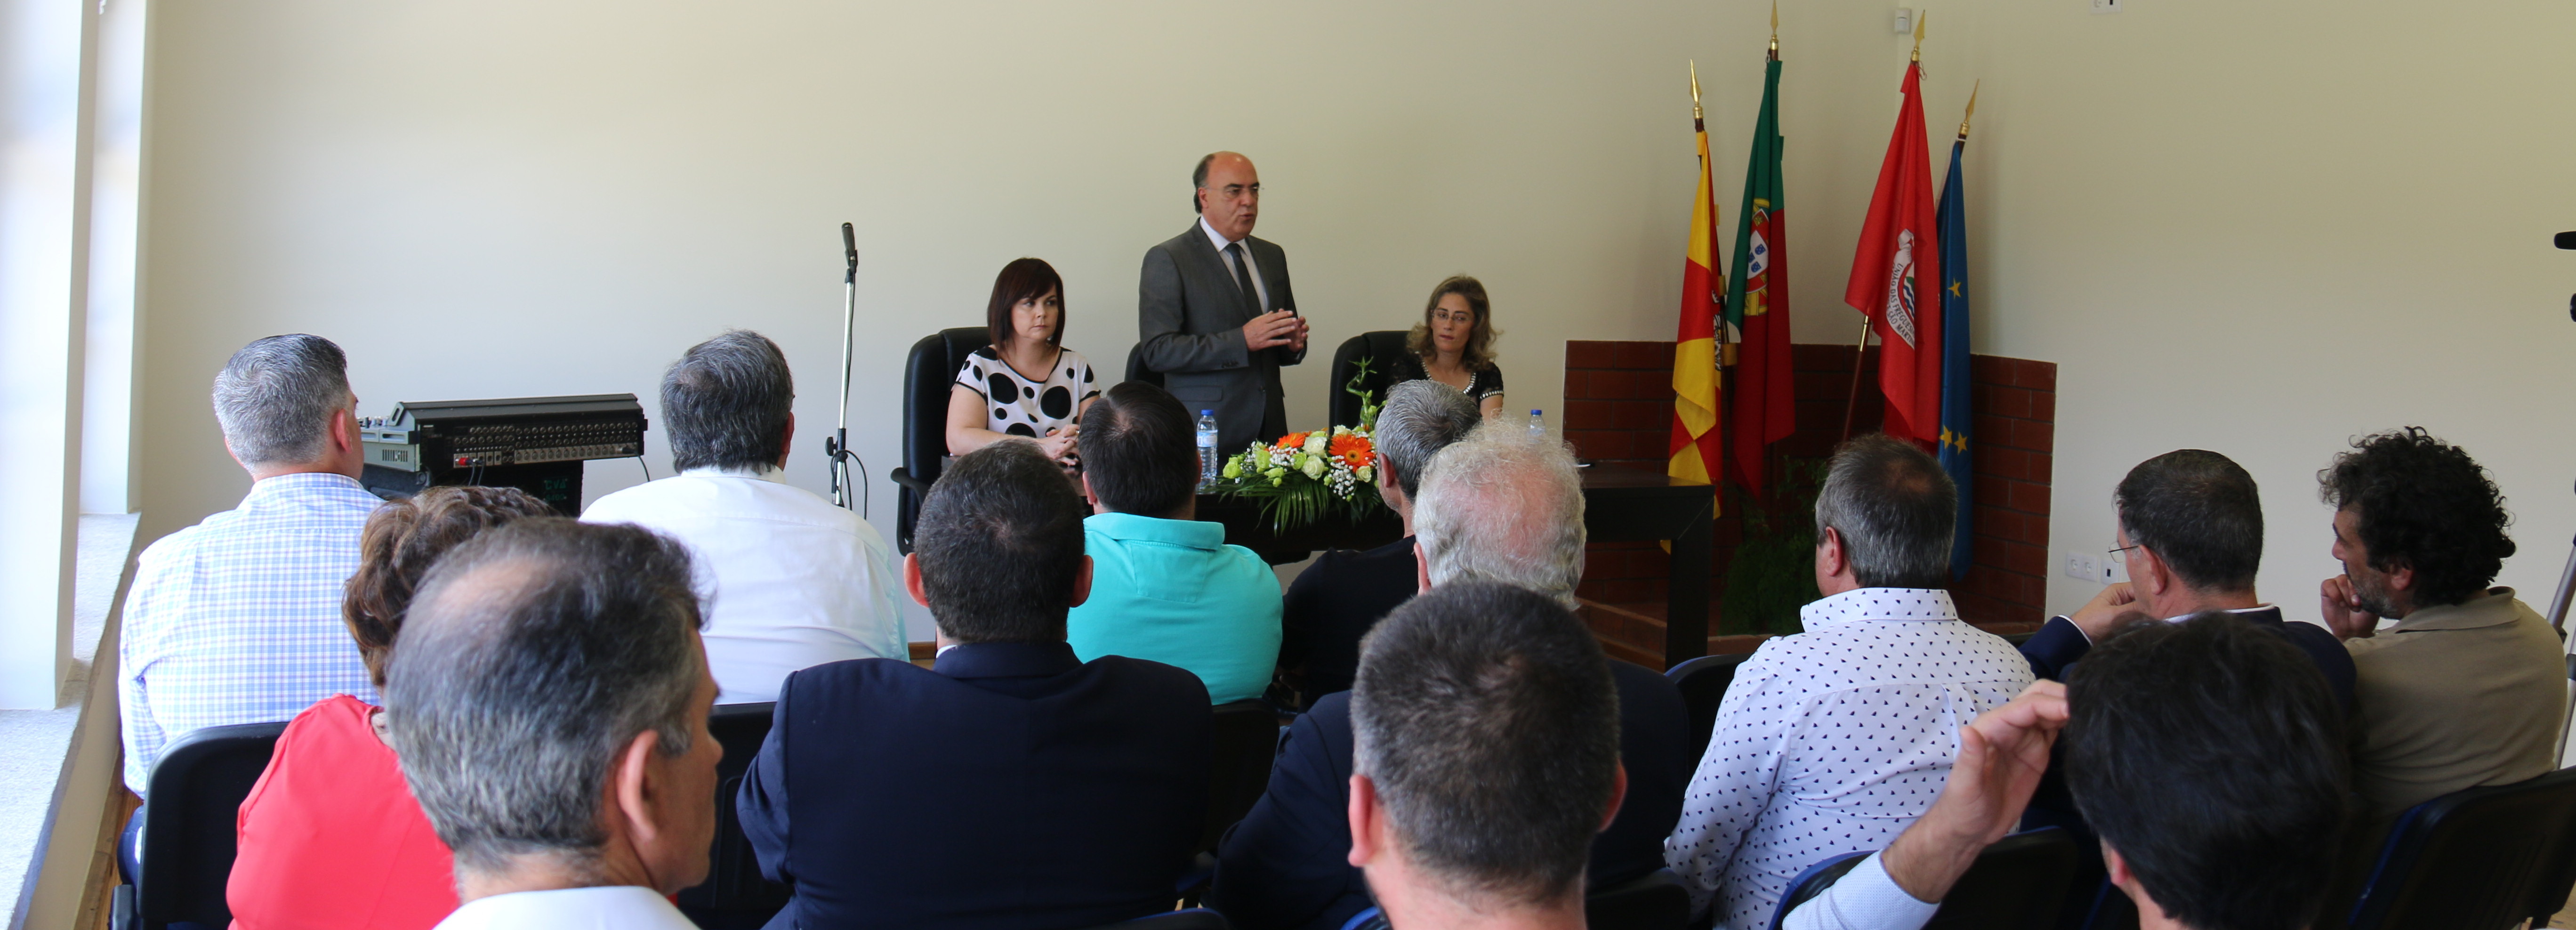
(196, 792)
(1702, 682)
(2016, 884)
(928, 370)
(2484, 857)
(1194, 918)
(734, 896)
(1247, 739)
(1654, 901)
(1381, 348)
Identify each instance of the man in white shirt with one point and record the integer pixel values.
(790, 580)
(1835, 739)
(549, 703)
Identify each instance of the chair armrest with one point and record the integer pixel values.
(903, 477)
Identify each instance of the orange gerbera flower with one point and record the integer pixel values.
(1350, 447)
(1290, 441)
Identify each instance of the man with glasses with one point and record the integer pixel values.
(1214, 312)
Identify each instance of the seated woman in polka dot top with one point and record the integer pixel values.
(1026, 383)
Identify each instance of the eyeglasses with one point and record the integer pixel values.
(1452, 316)
(2121, 554)
(1239, 191)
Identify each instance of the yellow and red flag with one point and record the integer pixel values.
(1697, 447)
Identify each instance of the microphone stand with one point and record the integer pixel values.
(837, 445)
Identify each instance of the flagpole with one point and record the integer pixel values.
(1860, 353)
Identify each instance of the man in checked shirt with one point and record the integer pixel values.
(237, 619)
(1835, 739)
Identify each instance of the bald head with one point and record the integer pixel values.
(1229, 193)
(1503, 506)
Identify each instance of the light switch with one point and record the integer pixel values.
(1905, 20)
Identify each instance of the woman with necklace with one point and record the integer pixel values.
(1454, 344)
(1026, 384)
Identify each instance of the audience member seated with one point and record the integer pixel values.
(2212, 763)
(2002, 755)
(996, 398)
(1487, 758)
(790, 580)
(1166, 587)
(1834, 739)
(237, 619)
(1335, 601)
(1454, 344)
(2469, 688)
(2191, 534)
(1498, 506)
(550, 702)
(1010, 786)
(330, 836)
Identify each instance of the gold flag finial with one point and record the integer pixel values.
(1919, 17)
(1694, 72)
(1775, 30)
(1972, 108)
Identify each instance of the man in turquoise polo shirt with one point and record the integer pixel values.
(1166, 587)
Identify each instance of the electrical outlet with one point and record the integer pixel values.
(1904, 20)
(2080, 565)
(2114, 571)
(2106, 6)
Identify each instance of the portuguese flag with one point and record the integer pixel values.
(1757, 303)
(1696, 445)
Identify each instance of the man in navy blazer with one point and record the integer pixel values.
(1497, 506)
(1011, 785)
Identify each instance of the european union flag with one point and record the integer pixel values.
(1954, 349)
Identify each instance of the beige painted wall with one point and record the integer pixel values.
(2259, 228)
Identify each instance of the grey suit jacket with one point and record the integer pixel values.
(1189, 327)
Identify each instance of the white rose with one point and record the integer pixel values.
(1314, 467)
(1315, 443)
(1365, 473)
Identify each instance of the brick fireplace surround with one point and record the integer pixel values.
(1618, 409)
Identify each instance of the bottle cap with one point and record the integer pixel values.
(1207, 413)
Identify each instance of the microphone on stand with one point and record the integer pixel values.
(850, 245)
(837, 445)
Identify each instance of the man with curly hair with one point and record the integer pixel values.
(2466, 689)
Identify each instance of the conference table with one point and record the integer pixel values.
(1620, 504)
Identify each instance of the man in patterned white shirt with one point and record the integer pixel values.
(237, 619)
(1835, 739)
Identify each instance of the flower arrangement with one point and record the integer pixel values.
(1305, 476)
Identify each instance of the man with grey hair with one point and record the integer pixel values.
(549, 702)
(1344, 592)
(1834, 739)
(1498, 506)
(237, 619)
(791, 581)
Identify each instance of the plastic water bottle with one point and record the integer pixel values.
(1538, 426)
(1207, 448)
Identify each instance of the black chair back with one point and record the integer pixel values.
(734, 896)
(1247, 739)
(196, 792)
(1702, 682)
(928, 370)
(1381, 348)
(2484, 857)
(1655, 901)
(1136, 370)
(2016, 884)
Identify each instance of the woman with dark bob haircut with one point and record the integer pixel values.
(1025, 384)
(1454, 344)
(330, 835)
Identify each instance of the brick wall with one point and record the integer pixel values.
(1618, 409)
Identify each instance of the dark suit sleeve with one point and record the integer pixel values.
(1163, 339)
(1286, 297)
(1287, 864)
(2057, 645)
(762, 801)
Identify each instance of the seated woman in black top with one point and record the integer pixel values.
(1454, 344)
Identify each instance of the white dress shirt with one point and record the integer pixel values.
(608, 907)
(1260, 291)
(237, 619)
(1866, 898)
(789, 580)
(1832, 741)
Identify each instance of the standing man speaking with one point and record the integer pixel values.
(1214, 313)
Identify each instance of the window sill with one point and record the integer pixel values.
(49, 759)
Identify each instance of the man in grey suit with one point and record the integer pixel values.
(1214, 313)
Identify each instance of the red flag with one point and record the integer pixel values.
(1697, 452)
(1899, 248)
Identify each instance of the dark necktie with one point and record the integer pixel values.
(1243, 278)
